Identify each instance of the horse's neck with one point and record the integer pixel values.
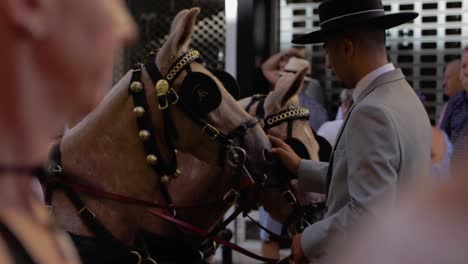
(104, 150)
(199, 186)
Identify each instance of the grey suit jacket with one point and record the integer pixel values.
(383, 144)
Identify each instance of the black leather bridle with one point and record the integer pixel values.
(168, 97)
(301, 216)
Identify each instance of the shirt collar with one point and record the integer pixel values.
(369, 78)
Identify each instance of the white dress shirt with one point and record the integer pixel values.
(369, 78)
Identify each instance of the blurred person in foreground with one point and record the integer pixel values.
(55, 55)
(428, 226)
(384, 143)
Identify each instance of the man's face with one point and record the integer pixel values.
(333, 46)
(464, 71)
(452, 84)
(81, 47)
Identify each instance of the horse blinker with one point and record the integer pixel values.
(200, 94)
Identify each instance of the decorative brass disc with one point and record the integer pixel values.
(162, 86)
(136, 87)
(151, 159)
(139, 111)
(144, 135)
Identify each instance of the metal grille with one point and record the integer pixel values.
(421, 48)
(154, 19)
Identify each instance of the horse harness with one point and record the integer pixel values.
(198, 96)
(301, 216)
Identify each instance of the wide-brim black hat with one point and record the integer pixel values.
(340, 15)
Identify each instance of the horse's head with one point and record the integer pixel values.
(204, 114)
(295, 131)
(284, 118)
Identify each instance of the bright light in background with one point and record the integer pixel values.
(231, 37)
(231, 11)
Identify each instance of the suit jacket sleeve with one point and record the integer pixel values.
(373, 158)
(312, 176)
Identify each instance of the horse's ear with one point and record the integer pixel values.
(287, 87)
(182, 30)
(296, 86)
(176, 20)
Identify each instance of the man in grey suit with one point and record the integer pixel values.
(385, 139)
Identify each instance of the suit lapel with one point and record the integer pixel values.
(383, 79)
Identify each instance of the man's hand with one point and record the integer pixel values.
(296, 251)
(305, 198)
(285, 153)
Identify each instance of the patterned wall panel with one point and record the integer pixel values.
(421, 48)
(154, 19)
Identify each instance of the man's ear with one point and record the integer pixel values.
(29, 17)
(348, 47)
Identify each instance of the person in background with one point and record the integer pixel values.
(441, 151)
(275, 64)
(329, 130)
(385, 141)
(310, 95)
(267, 73)
(464, 70)
(452, 85)
(55, 55)
(456, 115)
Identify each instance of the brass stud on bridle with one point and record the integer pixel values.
(176, 174)
(144, 135)
(151, 159)
(162, 86)
(165, 179)
(139, 111)
(136, 87)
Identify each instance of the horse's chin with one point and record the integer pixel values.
(279, 210)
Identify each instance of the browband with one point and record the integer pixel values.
(288, 115)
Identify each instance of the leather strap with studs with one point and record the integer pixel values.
(147, 135)
(163, 84)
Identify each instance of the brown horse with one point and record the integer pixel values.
(170, 244)
(107, 150)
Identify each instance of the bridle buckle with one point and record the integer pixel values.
(236, 156)
(231, 196)
(163, 103)
(289, 196)
(211, 131)
(174, 96)
(57, 169)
